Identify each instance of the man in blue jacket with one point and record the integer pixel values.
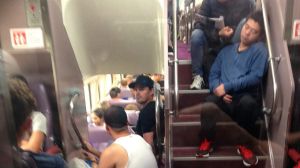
(234, 80)
(206, 34)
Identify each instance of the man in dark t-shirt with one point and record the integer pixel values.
(146, 121)
(143, 85)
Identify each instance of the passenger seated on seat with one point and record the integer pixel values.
(129, 78)
(234, 82)
(125, 91)
(127, 150)
(97, 117)
(23, 103)
(35, 139)
(116, 99)
(205, 33)
(114, 93)
(132, 112)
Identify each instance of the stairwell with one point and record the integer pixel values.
(184, 128)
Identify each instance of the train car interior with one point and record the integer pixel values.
(76, 54)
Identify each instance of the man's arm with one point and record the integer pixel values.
(113, 157)
(148, 137)
(215, 73)
(35, 142)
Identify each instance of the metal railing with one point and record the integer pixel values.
(74, 97)
(157, 121)
(272, 60)
(176, 89)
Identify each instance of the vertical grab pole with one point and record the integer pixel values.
(175, 56)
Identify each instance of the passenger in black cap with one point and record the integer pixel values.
(143, 85)
(128, 150)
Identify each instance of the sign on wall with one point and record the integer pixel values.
(33, 13)
(27, 38)
(296, 30)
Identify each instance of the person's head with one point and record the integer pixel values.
(123, 83)
(129, 78)
(104, 105)
(156, 77)
(253, 29)
(97, 116)
(115, 119)
(23, 103)
(114, 92)
(143, 85)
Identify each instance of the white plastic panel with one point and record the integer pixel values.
(116, 36)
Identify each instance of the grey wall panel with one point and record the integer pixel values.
(280, 117)
(68, 79)
(7, 130)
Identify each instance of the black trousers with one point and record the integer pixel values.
(244, 110)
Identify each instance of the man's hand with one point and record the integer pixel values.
(91, 149)
(227, 98)
(220, 91)
(226, 32)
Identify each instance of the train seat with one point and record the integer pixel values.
(99, 137)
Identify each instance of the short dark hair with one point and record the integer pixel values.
(257, 16)
(23, 102)
(114, 92)
(142, 81)
(116, 118)
(99, 112)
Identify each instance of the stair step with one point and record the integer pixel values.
(188, 100)
(221, 157)
(187, 118)
(185, 73)
(188, 91)
(227, 134)
(222, 117)
(185, 62)
(220, 153)
(194, 120)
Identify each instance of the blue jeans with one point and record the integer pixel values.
(43, 160)
(198, 42)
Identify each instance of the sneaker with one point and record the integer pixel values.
(204, 149)
(198, 83)
(249, 158)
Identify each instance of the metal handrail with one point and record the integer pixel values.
(72, 100)
(74, 97)
(274, 79)
(271, 57)
(157, 118)
(175, 56)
